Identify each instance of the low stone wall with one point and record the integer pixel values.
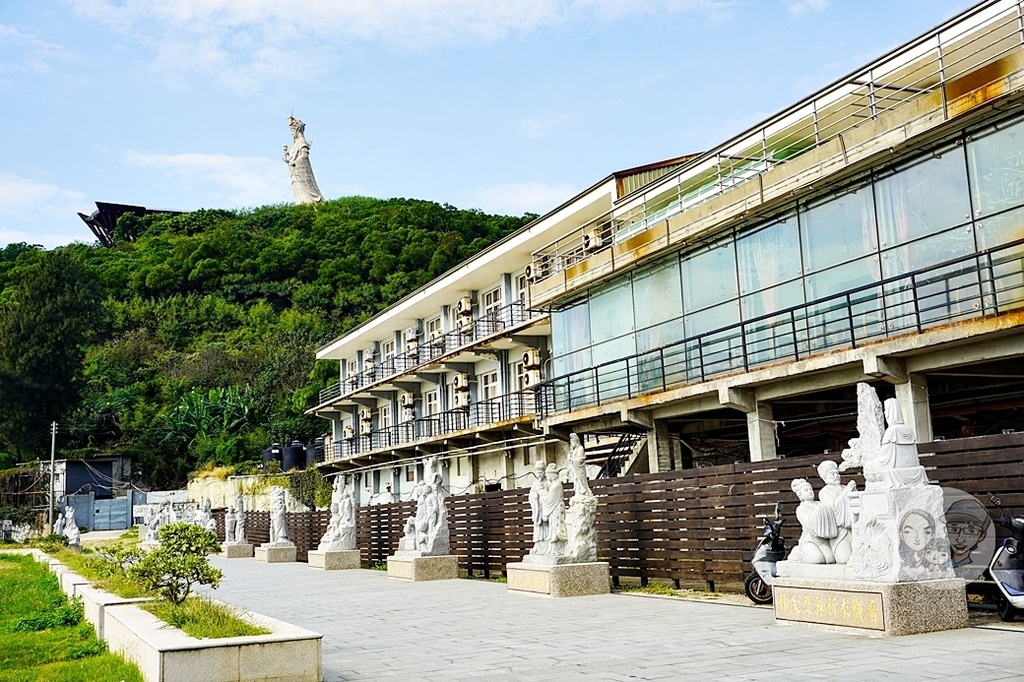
(165, 654)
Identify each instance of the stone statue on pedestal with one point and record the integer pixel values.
(582, 545)
(818, 527)
(426, 532)
(304, 187)
(341, 531)
(278, 519)
(206, 519)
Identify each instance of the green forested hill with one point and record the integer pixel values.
(191, 340)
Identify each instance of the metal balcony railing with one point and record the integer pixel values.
(480, 414)
(489, 324)
(932, 65)
(986, 283)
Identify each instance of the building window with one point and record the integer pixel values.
(519, 372)
(492, 302)
(489, 385)
(430, 403)
(385, 416)
(387, 354)
(523, 289)
(410, 475)
(433, 325)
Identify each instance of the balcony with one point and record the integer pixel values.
(985, 284)
(518, 406)
(483, 328)
(956, 67)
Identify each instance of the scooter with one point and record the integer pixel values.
(1007, 567)
(770, 550)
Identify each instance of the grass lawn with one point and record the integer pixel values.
(43, 638)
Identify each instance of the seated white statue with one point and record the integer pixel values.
(818, 524)
(896, 465)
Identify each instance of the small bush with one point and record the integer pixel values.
(179, 563)
(65, 615)
(203, 618)
(54, 542)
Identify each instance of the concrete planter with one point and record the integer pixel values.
(166, 654)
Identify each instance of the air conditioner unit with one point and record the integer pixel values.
(368, 365)
(365, 428)
(592, 240)
(465, 325)
(531, 358)
(461, 382)
(348, 432)
(437, 338)
(408, 400)
(411, 334)
(412, 347)
(464, 306)
(365, 416)
(538, 269)
(461, 399)
(531, 378)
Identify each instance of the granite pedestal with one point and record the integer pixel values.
(881, 609)
(236, 551)
(335, 560)
(276, 555)
(418, 568)
(564, 580)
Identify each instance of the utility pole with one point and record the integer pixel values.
(53, 455)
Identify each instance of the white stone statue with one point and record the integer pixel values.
(842, 502)
(278, 519)
(58, 525)
(341, 531)
(71, 531)
(230, 523)
(426, 532)
(206, 519)
(535, 506)
(818, 527)
(240, 521)
(870, 427)
(550, 529)
(582, 539)
(304, 186)
(896, 465)
(153, 521)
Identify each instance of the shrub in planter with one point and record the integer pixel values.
(179, 563)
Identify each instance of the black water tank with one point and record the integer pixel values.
(294, 456)
(273, 452)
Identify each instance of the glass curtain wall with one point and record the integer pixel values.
(954, 201)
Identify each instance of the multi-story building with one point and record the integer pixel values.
(724, 305)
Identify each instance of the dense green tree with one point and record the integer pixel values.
(46, 320)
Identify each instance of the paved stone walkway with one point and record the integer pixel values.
(377, 628)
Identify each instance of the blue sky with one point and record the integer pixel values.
(507, 106)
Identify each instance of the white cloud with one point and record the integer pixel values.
(26, 52)
(800, 7)
(520, 197)
(21, 195)
(246, 42)
(238, 181)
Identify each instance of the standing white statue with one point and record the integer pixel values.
(240, 521)
(818, 527)
(340, 533)
(230, 523)
(426, 532)
(582, 543)
(304, 186)
(71, 531)
(58, 525)
(206, 519)
(278, 519)
(550, 529)
(535, 506)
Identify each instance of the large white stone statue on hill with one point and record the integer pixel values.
(296, 156)
(341, 531)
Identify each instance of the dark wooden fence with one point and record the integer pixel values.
(691, 525)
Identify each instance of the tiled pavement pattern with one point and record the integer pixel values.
(377, 628)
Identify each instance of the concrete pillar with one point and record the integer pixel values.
(913, 399)
(659, 448)
(761, 432)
